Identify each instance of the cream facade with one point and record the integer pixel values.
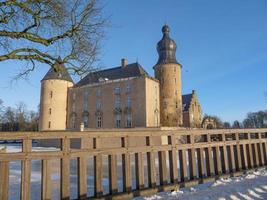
(122, 103)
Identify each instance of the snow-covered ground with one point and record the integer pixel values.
(252, 185)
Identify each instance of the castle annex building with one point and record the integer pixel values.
(120, 97)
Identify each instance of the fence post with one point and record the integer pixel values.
(126, 167)
(139, 169)
(232, 159)
(46, 180)
(98, 170)
(65, 169)
(209, 159)
(201, 166)
(112, 162)
(162, 168)
(183, 165)
(238, 153)
(26, 171)
(217, 160)
(151, 168)
(82, 177)
(173, 160)
(4, 178)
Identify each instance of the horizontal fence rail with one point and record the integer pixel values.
(150, 160)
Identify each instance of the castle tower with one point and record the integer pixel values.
(53, 101)
(168, 72)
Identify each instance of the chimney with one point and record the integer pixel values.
(124, 62)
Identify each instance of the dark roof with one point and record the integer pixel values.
(130, 70)
(186, 101)
(166, 48)
(61, 73)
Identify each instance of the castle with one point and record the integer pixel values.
(121, 97)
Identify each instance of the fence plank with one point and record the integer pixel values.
(65, 169)
(231, 158)
(265, 152)
(261, 154)
(183, 165)
(192, 163)
(139, 170)
(46, 180)
(217, 160)
(126, 171)
(98, 175)
(173, 166)
(244, 157)
(151, 169)
(26, 171)
(225, 161)
(256, 152)
(250, 156)
(201, 162)
(82, 177)
(112, 162)
(4, 179)
(209, 161)
(162, 168)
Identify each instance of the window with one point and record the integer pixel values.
(98, 105)
(118, 121)
(86, 121)
(176, 104)
(73, 121)
(128, 102)
(175, 92)
(85, 101)
(98, 121)
(128, 121)
(164, 104)
(74, 96)
(50, 111)
(117, 103)
(174, 69)
(73, 107)
(51, 94)
(49, 124)
(98, 92)
(117, 90)
(174, 80)
(128, 89)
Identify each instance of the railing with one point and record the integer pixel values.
(176, 157)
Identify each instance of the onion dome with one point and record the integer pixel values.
(166, 48)
(58, 72)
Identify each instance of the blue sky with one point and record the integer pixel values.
(222, 46)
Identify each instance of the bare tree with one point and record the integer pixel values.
(45, 30)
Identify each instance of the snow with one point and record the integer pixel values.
(250, 186)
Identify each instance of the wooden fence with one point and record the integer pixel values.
(179, 158)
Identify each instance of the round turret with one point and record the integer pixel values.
(168, 72)
(53, 101)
